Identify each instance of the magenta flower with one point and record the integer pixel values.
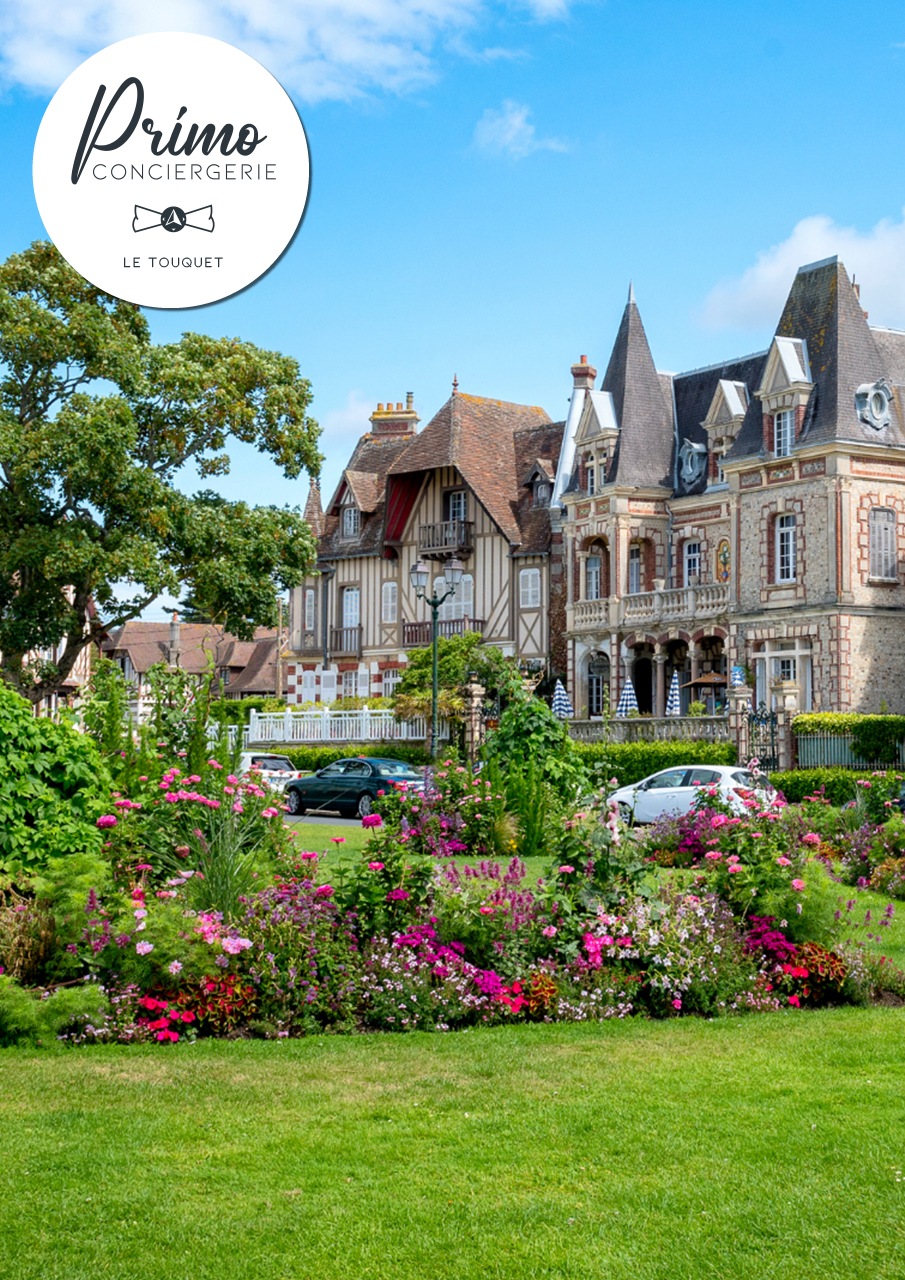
(372, 820)
(810, 837)
(784, 862)
(566, 870)
(550, 931)
(798, 885)
(375, 866)
(107, 820)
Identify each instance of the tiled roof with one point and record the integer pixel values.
(313, 511)
(259, 675)
(148, 642)
(535, 446)
(366, 477)
(367, 489)
(477, 436)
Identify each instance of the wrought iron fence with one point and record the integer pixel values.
(834, 751)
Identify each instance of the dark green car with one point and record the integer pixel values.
(350, 786)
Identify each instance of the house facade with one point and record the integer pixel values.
(742, 522)
(743, 517)
(476, 483)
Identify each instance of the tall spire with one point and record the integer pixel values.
(631, 293)
(644, 415)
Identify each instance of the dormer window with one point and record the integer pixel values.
(783, 433)
(542, 493)
(351, 522)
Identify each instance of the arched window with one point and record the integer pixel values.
(598, 684)
(883, 550)
(529, 589)
(388, 599)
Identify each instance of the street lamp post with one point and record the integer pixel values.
(419, 574)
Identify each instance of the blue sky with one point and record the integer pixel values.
(487, 178)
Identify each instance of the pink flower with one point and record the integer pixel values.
(714, 855)
(140, 913)
(677, 1003)
(798, 885)
(784, 862)
(174, 968)
(375, 866)
(550, 931)
(736, 866)
(144, 948)
(269, 813)
(237, 807)
(324, 891)
(811, 837)
(107, 820)
(566, 870)
(372, 820)
(232, 946)
(337, 839)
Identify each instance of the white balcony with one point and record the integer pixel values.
(651, 608)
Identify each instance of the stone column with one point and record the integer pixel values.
(474, 721)
(660, 661)
(787, 694)
(582, 575)
(740, 699)
(695, 655)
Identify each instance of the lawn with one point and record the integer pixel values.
(768, 1146)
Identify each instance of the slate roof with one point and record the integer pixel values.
(313, 512)
(476, 435)
(535, 446)
(365, 476)
(694, 392)
(643, 407)
(823, 309)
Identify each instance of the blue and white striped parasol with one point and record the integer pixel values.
(674, 702)
(561, 706)
(627, 700)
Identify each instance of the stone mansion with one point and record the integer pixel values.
(748, 515)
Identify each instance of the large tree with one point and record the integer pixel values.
(96, 423)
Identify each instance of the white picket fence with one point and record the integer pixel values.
(324, 725)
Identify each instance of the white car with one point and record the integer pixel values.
(275, 771)
(675, 790)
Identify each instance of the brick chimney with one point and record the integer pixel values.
(393, 420)
(584, 374)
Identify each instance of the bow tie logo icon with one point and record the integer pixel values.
(173, 218)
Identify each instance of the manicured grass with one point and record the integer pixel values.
(762, 1147)
(320, 836)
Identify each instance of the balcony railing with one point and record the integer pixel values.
(651, 607)
(345, 641)
(417, 635)
(448, 538)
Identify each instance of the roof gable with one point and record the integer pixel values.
(598, 415)
(787, 366)
(729, 404)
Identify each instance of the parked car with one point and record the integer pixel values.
(674, 790)
(350, 786)
(275, 770)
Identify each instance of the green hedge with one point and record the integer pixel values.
(311, 758)
(839, 784)
(841, 722)
(632, 761)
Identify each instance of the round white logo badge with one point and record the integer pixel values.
(171, 170)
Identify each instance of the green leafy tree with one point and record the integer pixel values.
(457, 657)
(96, 424)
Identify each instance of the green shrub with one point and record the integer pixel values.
(874, 737)
(27, 1018)
(632, 761)
(312, 758)
(52, 783)
(838, 784)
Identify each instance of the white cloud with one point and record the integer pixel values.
(507, 132)
(318, 49)
(876, 257)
